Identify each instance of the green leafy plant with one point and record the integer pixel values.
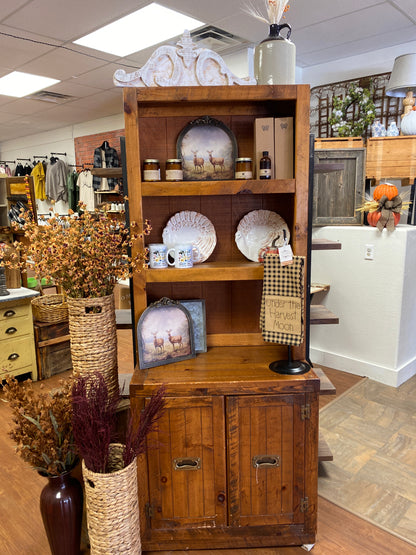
(42, 426)
(339, 119)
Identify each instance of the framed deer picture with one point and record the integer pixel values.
(165, 334)
(208, 149)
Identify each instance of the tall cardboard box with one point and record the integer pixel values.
(283, 148)
(263, 140)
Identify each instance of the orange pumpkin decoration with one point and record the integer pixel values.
(373, 218)
(385, 189)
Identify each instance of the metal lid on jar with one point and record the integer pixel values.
(174, 161)
(243, 160)
(151, 161)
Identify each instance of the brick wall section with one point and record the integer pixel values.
(85, 146)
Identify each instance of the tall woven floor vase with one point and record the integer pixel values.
(93, 334)
(112, 507)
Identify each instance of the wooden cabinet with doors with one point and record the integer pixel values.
(234, 460)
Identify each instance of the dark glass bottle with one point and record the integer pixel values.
(265, 166)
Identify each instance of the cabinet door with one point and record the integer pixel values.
(265, 459)
(186, 462)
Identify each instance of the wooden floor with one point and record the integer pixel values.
(22, 533)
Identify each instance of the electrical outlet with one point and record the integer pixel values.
(369, 252)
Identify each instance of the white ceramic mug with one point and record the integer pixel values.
(158, 255)
(183, 255)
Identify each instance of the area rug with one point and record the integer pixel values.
(371, 431)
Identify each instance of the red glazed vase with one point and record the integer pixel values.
(61, 504)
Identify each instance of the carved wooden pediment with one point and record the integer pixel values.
(182, 65)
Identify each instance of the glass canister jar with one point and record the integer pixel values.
(151, 170)
(243, 168)
(174, 169)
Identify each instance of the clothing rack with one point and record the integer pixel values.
(8, 161)
(24, 159)
(45, 157)
(58, 153)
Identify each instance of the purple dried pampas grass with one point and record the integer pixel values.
(93, 420)
(136, 438)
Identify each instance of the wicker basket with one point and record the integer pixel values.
(92, 327)
(113, 507)
(51, 309)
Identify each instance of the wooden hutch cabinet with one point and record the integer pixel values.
(233, 461)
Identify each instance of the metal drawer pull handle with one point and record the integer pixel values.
(13, 356)
(11, 331)
(265, 461)
(187, 463)
(9, 313)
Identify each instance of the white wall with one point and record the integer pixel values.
(374, 300)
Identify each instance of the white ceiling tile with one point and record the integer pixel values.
(72, 87)
(8, 7)
(70, 20)
(17, 51)
(61, 64)
(101, 78)
(408, 7)
(24, 106)
(375, 21)
(366, 44)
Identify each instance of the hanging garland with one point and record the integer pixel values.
(338, 120)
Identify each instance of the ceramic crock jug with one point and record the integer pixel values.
(275, 58)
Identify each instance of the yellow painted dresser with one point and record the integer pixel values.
(17, 345)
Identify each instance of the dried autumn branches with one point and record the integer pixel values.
(42, 426)
(84, 254)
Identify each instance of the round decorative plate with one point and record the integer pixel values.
(191, 227)
(259, 229)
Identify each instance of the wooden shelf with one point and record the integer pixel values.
(325, 245)
(324, 452)
(207, 188)
(107, 172)
(321, 315)
(326, 386)
(318, 288)
(208, 271)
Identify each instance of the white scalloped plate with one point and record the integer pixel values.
(191, 227)
(259, 229)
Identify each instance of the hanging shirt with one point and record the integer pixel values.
(73, 195)
(55, 185)
(111, 161)
(38, 174)
(19, 171)
(86, 190)
(104, 181)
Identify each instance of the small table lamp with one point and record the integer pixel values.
(403, 80)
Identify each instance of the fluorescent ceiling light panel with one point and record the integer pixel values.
(21, 84)
(145, 27)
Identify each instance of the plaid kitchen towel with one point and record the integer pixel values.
(282, 303)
